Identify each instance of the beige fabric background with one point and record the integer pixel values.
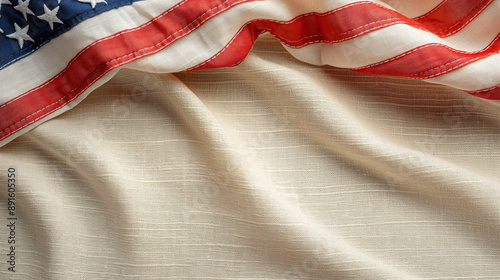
(274, 169)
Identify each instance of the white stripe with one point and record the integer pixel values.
(482, 30)
(477, 75)
(379, 45)
(412, 8)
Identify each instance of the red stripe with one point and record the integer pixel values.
(452, 16)
(428, 61)
(489, 93)
(103, 56)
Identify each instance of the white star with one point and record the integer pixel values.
(23, 8)
(50, 16)
(93, 2)
(20, 35)
(4, 2)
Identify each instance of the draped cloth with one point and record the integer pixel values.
(173, 140)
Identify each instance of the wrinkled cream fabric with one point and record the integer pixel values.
(270, 170)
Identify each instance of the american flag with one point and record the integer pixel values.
(53, 53)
